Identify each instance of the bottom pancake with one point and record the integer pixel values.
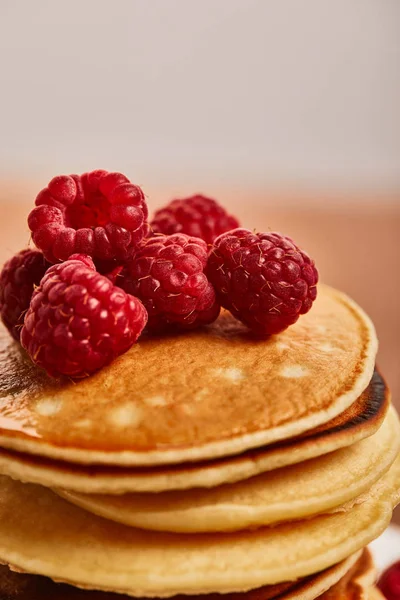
(358, 422)
(348, 581)
(43, 534)
(357, 583)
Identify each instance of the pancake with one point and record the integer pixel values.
(375, 594)
(295, 492)
(16, 586)
(209, 393)
(361, 420)
(357, 583)
(43, 534)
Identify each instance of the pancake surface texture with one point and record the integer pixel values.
(40, 533)
(17, 586)
(309, 488)
(206, 394)
(375, 594)
(361, 420)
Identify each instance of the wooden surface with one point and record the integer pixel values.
(356, 247)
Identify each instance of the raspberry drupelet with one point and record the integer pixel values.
(197, 216)
(263, 279)
(78, 321)
(100, 214)
(167, 274)
(19, 277)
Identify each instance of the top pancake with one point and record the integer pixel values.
(205, 394)
(358, 422)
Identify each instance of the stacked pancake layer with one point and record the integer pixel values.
(202, 464)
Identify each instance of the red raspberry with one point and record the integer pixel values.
(20, 275)
(168, 276)
(389, 583)
(99, 213)
(197, 216)
(85, 259)
(78, 321)
(264, 279)
(112, 269)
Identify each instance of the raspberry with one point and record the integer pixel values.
(20, 275)
(85, 259)
(197, 216)
(264, 279)
(389, 583)
(78, 321)
(167, 274)
(115, 274)
(112, 269)
(99, 213)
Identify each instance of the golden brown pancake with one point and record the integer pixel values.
(361, 420)
(314, 487)
(357, 582)
(41, 533)
(374, 594)
(345, 578)
(205, 394)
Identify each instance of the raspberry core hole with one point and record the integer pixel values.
(89, 211)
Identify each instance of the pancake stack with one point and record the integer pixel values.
(203, 464)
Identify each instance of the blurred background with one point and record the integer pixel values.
(287, 112)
